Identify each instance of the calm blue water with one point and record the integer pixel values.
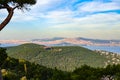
(7, 45)
(115, 49)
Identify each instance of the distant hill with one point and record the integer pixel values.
(94, 40)
(97, 40)
(63, 44)
(49, 39)
(65, 58)
(61, 41)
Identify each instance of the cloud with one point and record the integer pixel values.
(98, 21)
(58, 16)
(46, 5)
(37, 11)
(97, 6)
(59, 11)
(22, 16)
(67, 15)
(100, 18)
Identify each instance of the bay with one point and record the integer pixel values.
(114, 49)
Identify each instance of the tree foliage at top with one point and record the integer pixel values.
(20, 4)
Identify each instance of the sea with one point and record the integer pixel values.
(8, 45)
(114, 49)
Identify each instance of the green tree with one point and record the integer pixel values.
(3, 56)
(11, 5)
(85, 73)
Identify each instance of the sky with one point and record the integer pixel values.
(97, 19)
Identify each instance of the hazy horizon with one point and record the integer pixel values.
(58, 37)
(95, 19)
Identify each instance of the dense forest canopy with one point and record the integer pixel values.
(3, 55)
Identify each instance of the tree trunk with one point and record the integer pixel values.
(8, 18)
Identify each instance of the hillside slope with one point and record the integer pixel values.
(65, 58)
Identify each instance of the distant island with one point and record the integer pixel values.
(61, 41)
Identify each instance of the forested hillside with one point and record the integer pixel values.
(65, 58)
(14, 69)
(19, 69)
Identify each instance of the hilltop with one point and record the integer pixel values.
(63, 57)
